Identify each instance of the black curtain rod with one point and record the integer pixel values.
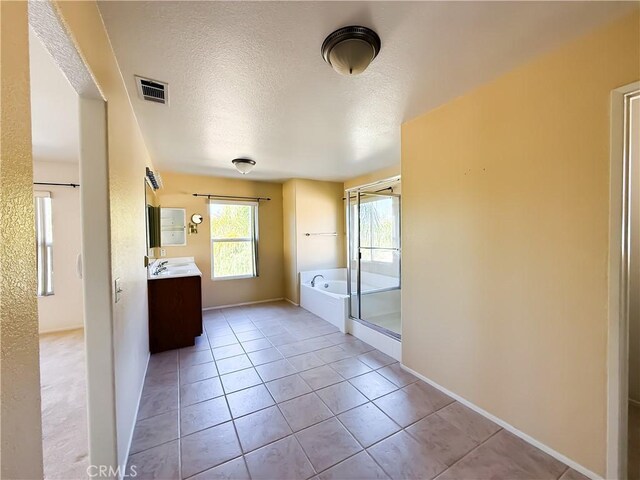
(74, 185)
(230, 197)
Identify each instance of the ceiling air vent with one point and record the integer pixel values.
(153, 90)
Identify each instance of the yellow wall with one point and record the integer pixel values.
(177, 192)
(505, 245)
(128, 158)
(312, 207)
(21, 443)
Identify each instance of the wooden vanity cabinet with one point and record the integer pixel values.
(175, 312)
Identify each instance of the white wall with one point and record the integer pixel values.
(634, 280)
(63, 309)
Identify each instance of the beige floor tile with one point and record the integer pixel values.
(255, 345)
(368, 424)
(197, 373)
(163, 362)
(189, 358)
(265, 356)
(471, 423)
(304, 411)
(373, 385)
(203, 415)
(359, 467)
(286, 388)
(332, 354)
(282, 339)
(283, 459)
(447, 443)
(356, 347)
(249, 400)
(260, 428)
(375, 359)
(306, 361)
(160, 381)
(571, 474)
(321, 377)
(232, 382)
(341, 397)
(200, 391)
(227, 351)
(222, 340)
(402, 408)
(327, 443)
(505, 456)
(274, 370)
(159, 462)
(157, 402)
(232, 470)
(154, 431)
(208, 448)
(233, 364)
(350, 367)
(249, 335)
(403, 457)
(395, 374)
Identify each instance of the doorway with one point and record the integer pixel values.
(623, 451)
(374, 269)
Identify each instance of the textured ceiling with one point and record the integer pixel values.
(247, 78)
(54, 108)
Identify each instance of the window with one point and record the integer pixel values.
(44, 243)
(379, 228)
(234, 239)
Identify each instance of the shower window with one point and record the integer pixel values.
(44, 243)
(234, 239)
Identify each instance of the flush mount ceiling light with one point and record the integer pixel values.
(350, 50)
(243, 165)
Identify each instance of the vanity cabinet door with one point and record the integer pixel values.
(175, 313)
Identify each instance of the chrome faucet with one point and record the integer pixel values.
(160, 267)
(313, 282)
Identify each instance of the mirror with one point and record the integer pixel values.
(152, 219)
(173, 227)
(196, 218)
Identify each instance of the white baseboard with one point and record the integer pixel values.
(510, 428)
(135, 420)
(62, 329)
(218, 307)
(291, 302)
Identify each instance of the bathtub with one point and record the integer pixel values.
(328, 299)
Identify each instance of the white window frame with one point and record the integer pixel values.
(44, 243)
(254, 240)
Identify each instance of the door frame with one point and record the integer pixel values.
(618, 308)
(47, 24)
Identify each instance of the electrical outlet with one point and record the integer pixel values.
(163, 252)
(117, 289)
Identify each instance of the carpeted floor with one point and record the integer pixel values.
(64, 405)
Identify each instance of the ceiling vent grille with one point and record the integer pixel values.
(152, 90)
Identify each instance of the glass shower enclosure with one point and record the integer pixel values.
(374, 260)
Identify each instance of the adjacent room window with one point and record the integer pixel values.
(44, 243)
(234, 239)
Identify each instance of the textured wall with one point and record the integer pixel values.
(177, 192)
(20, 426)
(505, 245)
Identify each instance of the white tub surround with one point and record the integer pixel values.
(328, 299)
(175, 268)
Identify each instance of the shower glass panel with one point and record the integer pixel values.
(375, 258)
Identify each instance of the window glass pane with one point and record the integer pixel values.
(231, 221)
(233, 259)
(44, 244)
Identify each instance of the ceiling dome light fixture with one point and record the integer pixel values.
(243, 165)
(350, 50)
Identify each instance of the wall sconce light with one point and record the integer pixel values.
(196, 219)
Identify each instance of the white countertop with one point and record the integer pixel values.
(175, 268)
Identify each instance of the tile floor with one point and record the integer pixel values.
(271, 391)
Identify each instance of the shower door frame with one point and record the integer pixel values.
(357, 192)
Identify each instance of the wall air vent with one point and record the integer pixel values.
(152, 90)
